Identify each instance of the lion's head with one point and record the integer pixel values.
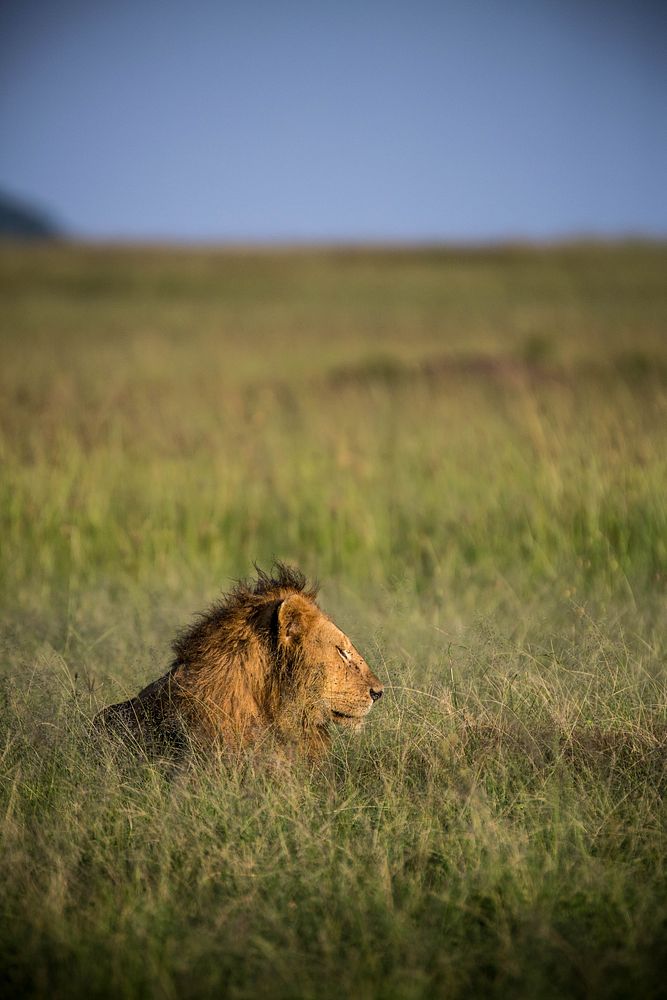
(265, 659)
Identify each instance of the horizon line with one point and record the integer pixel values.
(343, 244)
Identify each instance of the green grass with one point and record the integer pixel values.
(468, 448)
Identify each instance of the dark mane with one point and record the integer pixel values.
(282, 577)
(246, 599)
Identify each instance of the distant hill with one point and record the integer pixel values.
(19, 220)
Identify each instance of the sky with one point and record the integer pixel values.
(272, 120)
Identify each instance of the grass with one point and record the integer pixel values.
(467, 447)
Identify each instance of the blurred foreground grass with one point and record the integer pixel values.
(469, 449)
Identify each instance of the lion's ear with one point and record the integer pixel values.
(295, 617)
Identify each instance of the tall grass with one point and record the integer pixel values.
(468, 448)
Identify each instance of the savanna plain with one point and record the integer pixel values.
(469, 449)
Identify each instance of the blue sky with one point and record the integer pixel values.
(251, 121)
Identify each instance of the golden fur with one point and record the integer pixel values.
(264, 661)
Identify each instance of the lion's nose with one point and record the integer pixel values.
(376, 693)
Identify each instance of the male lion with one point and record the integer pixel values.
(263, 660)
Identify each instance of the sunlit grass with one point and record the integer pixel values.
(469, 450)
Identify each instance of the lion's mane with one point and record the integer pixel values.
(231, 681)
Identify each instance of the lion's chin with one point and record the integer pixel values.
(345, 721)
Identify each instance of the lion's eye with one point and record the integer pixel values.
(344, 655)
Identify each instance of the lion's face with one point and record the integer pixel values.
(348, 687)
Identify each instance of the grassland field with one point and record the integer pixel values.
(469, 449)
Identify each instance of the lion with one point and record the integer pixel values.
(264, 661)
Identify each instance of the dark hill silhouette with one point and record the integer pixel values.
(19, 220)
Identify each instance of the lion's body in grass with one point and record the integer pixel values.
(264, 663)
